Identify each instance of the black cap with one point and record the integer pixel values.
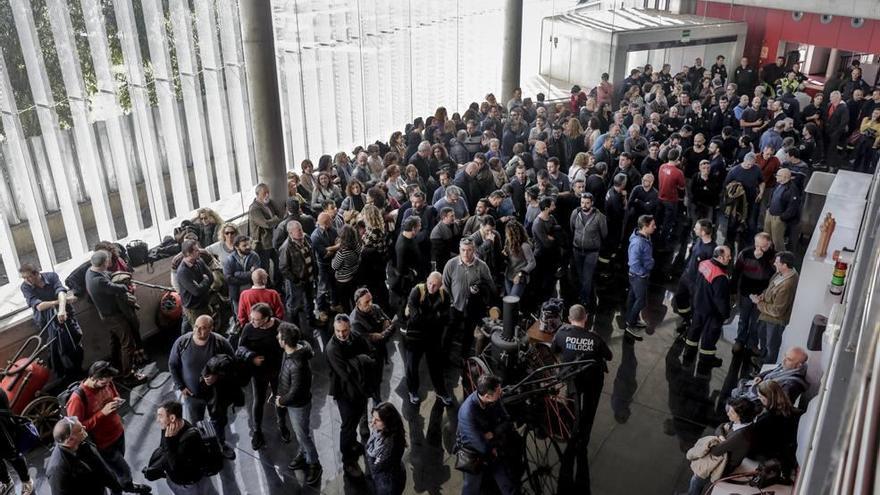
(102, 369)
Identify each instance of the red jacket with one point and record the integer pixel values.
(103, 429)
(250, 297)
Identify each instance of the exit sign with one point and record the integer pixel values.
(685, 35)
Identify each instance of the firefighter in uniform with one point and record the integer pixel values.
(701, 250)
(575, 342)
(711, 307)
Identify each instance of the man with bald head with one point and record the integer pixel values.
(575, 341)
(259, 293)
(427, 313)
(791, 375)
(711, 307)
(75, 467)
(784, 210)
(323, 242)
(189, 355)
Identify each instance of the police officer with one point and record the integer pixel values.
(711, 308)
(577, 343)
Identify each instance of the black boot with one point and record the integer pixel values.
(707, 362)
(298, 462)
(689, 354)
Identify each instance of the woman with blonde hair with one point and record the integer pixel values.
(573, 142)
(374, 254)
(207, 221)
(224, 246)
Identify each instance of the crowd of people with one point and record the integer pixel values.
(417, 237)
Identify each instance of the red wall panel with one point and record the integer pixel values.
(767, 27)
(854, 39)
(795, 30)
(823, 34)
(875, 39)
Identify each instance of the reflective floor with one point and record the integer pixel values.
(651, 412)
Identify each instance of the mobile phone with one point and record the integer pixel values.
(120, 401)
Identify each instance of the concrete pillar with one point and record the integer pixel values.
(510, 62)
(833, 63)
(265, 99)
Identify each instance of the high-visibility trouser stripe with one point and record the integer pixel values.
(707, 352)
(691, 343)
(683, 311)
(604, 260)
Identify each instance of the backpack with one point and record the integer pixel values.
(137, 253)
(71, 390)
(76, 281)
(213, 460)
(167, 249)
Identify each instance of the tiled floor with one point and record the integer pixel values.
(652, 410)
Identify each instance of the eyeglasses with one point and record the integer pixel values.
(229, 232)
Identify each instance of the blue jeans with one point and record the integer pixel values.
(585, 266)
(326, 291)
(770, 339)
(747, 331)
(512, 289)
(637, 298)
(114, 456)
(390, 482)
(299, 420)
(495, 469)
(697, 485)
(201, 487)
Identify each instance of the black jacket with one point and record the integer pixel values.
(83, 472)
(371, 323)
(350, 364)
(427, 314)
(195, 284)
(295, 377)
(712, 291)
(785, 202)
(181, 456)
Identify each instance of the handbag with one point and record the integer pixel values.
(468, 460)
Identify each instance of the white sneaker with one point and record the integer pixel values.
(27, 488)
